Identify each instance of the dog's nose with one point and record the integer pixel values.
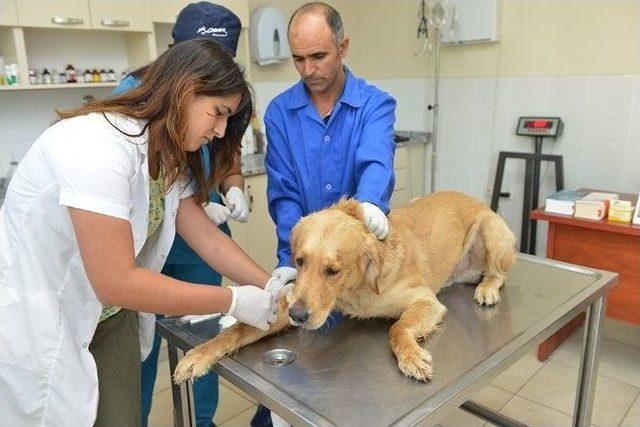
(298, 312)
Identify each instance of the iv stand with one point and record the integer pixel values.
(435, 107)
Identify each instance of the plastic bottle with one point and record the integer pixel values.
(88, 77)
(104, 77)
(111, 75)
(95, 76)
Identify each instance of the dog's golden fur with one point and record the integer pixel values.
(433, 241)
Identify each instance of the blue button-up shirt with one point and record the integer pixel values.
(312, 164)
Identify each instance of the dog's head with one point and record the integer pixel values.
(334, 253)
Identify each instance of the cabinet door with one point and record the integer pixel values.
(8, 15)
(68, 14)
(121, 15)
(261, 231)
(166, 11)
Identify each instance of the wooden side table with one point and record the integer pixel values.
(605, 245)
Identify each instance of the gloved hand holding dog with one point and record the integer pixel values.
(253, 306)
(280, 278)
(375, 220)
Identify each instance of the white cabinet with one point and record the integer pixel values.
(54, 14)
(8, 14)
(409, 169)
(166, 11)
(120, 15)
(473, 21)
(258, 236)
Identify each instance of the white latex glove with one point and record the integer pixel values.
(279, 279)
(217, 213)
(375, 220)
(238, 204)
(253, 306)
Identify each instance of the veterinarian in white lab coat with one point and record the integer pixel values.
(87, 223)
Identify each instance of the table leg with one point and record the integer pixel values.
(587, 375)
(183, 412)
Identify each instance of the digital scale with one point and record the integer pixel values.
(539, 128)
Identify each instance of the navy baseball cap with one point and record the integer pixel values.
(210, 21)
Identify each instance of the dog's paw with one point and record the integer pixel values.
(487, 295)
(194, 364)
(416, 364)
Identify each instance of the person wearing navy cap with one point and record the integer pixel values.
(215, 22)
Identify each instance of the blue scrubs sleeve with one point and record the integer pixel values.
(374, 155)
(126, 85)
(283, 194)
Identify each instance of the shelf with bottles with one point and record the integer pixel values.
(36, 49)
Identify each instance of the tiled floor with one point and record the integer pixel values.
(539, 394)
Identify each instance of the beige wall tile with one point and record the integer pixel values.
(230, 405)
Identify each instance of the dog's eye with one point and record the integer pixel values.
(299, 262)
(331, 271)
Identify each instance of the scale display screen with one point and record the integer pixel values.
(539, 126)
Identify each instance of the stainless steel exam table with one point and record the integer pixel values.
(347, 375)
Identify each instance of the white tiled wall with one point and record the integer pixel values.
(600, 143)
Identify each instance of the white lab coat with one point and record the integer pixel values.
(48, 309)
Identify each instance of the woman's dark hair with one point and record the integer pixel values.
(188, 69)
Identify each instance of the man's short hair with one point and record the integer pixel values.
(331, 16)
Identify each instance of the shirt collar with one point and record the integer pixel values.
(131, 126)
(350, 94)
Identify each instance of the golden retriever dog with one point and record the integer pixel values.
(435, 240)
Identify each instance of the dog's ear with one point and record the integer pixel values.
(370, 263)
(294, 239)
(351, 207)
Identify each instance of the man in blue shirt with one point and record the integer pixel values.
(330, 135)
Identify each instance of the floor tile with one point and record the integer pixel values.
(230, 405)
(624, 332)
(161, 414)
(618, 361)
(534, 414)
(633, 416)
(236, 389)
(555, 384)
(489, 396)
(240, 420)
(518, 374)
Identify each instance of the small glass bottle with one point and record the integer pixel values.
(46, 77)
(104, 77)
(32, 77)
(96, 76)
(71, 74)
(111, 75)
(88, 77)
(63, 78)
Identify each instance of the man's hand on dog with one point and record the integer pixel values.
(277, 284)
(375, 220)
